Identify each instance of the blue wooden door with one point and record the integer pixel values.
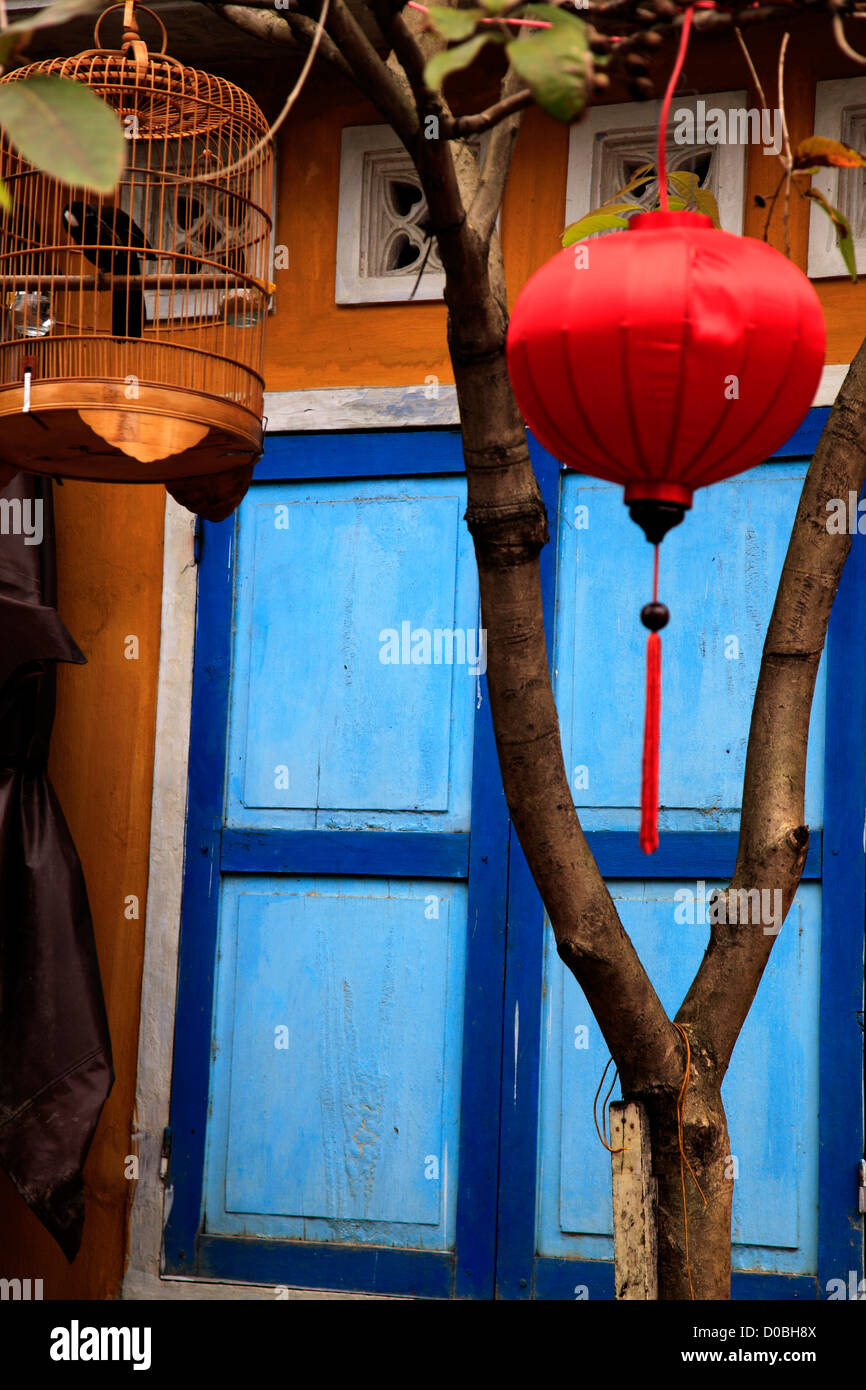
(383, 1073)
(335, 1108)
(793, 1093)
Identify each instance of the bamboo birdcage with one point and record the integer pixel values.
(131, 337)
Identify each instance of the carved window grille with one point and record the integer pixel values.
(383, 234)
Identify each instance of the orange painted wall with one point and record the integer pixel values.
(110, 548)
(313, 342)
(109, 558)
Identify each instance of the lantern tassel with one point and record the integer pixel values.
(653, 616)
(649, 797)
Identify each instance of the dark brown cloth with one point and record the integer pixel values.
(55, 1052)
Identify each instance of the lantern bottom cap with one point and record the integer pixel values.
(658, 492)
(656, 518)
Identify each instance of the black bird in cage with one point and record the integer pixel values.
(115, 244)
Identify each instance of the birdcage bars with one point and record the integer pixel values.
(131, 341)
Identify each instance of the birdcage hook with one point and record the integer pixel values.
(132, 44)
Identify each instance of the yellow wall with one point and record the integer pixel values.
(110, 548)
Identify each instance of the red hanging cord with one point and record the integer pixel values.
(662, 156)
(649, 792)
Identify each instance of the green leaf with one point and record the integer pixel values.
(441, 65)
(65, 129)
(827, 154)
(453, 24)
(495, 7)
(58, 13)
(842, 228)
(642, 175)
(5, 198)
(706, 203)
(603, 219)
(554, 63)
(699, 198)
(686, 183)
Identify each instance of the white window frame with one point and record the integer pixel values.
(836, 102)
(353, 285)
(587, 139)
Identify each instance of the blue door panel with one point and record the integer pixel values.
(355, 657)
(718, 573)
(335, 1090)
(343, 656)
(770, 1091)
(795, 1131)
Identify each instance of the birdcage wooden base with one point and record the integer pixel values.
(90, 429)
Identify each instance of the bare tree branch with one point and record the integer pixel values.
(484, 208)
(291, 28)
(843, 44)
(464, 126)
(406, 48)
(370, 74)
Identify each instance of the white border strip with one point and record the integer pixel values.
(357, 408)
(831, 380)
(405, 407)
(165, 882)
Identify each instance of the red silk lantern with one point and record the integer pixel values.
(665, 358)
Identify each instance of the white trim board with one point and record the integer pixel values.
(831, 379)
(407, 407)
(162, 918)
(360, 407)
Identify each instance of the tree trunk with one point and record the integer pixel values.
(508, 523)
(694, 1256)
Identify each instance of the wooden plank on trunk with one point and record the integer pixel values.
(634, 1203)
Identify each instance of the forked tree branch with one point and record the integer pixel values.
(461, 127)
(373, 78)
(508, 523)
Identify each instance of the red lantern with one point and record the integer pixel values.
(665, 358)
